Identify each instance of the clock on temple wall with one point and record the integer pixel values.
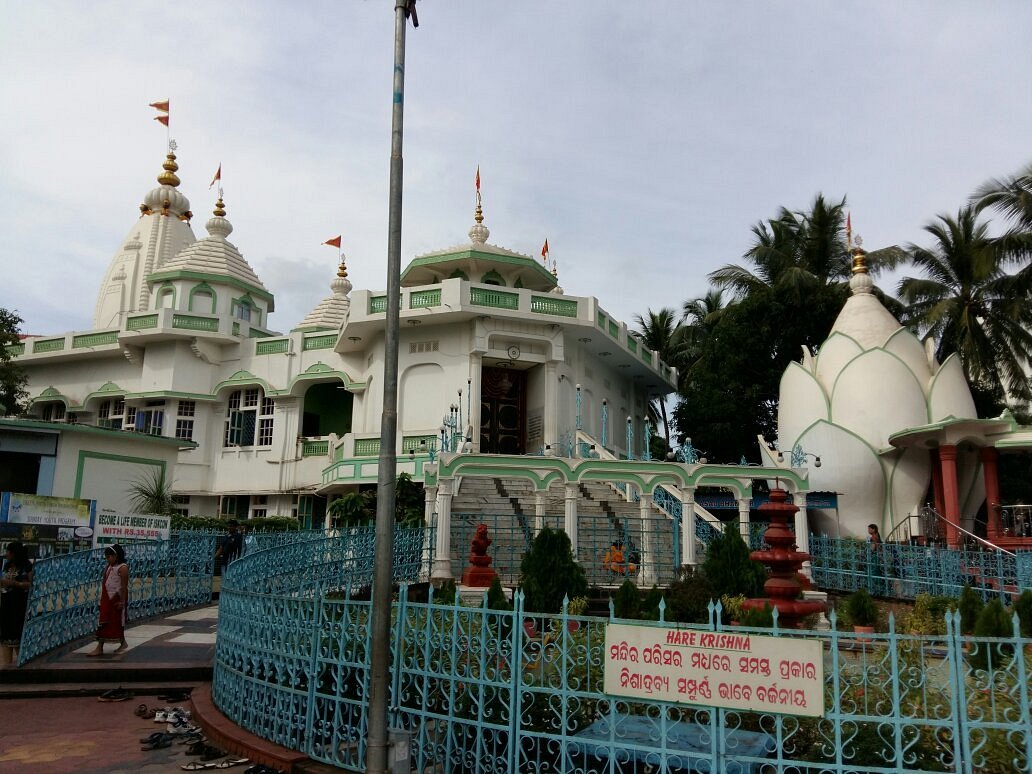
(514, 352)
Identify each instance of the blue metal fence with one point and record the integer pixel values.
(903, 571)
(477, 691)
(164, 576)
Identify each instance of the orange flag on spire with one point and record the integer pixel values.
(544, 252)
(478, 177)
(335, 242)
(849, 228)
(162, 106)
(217, 178)
(162, 119)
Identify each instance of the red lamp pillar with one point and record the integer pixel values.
(989, 456)
(937, 497)
(951, 493)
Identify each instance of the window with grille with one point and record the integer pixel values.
(249, 421)
(111, 413)
(184, 429)
(181, 504)
(187, 408)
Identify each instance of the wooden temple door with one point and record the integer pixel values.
(502, 409)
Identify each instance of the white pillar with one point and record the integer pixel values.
(688, 525)
(744, 504)
(539, 510)
(442, 570)
(551, 419)
(570, 512)
(802, 532)
(475, 374)
(648, 563)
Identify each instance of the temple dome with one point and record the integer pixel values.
(214, 254)
(333, 310)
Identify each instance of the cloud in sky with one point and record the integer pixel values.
(642, 139)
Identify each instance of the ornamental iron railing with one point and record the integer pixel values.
(487, 690)
(164, 576)
(903, 571)
(512, 535)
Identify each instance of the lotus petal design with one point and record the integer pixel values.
(869, 380)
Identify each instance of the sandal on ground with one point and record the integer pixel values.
(116, 694)
(231, 762)
(197, 766)
(151, 737)
(197, 748)
(211, 753)
(165, 740)
(141, 711)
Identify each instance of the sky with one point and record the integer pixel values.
(642, 139)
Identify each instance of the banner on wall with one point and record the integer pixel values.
(47, 525)
(117, 527)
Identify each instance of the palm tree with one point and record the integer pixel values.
(662, 332)
(1011, 197)
(152, 494)
(970, 305)
(797, 252)
(699, 317)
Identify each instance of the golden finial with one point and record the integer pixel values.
(859, 259)
(342, 270)
(220, 208)
(168, 177)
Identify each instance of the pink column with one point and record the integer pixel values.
(989, 455)
(951, 493)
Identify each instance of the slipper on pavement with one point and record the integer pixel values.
(165, 740)
(231, 762)
(197, 766)
(211, 753)
(115, 695)
(151, 737)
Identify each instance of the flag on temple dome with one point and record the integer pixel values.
(162, 119)
(335, 242)
(162, 106)
(544, 252)
(849, 227)
(478, 177)
(217, 178)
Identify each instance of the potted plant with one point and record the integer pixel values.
(862, 612)
(732, 605)
(577, 606)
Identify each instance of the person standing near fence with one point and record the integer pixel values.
(14, 598)
(114, 601)
(231, 545)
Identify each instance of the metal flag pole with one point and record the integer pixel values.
(379, 660)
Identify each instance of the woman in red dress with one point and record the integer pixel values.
(114, 599)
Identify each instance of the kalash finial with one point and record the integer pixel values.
(342, 269)
(168, 177)
(479, 233)
(860, 283)
(220, 207)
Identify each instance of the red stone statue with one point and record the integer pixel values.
(480, 574)
(783, 562)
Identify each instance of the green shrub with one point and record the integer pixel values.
(650, 604)
(688, 597)
(627, 600)
(496, 596)
(970, 607)
(549, 572)
(993, 621)
(445, 595)
(732, 606)
(1023, 607)
(728, 567)
(861, 609)
(757, 617)
(928, 615)
(262, 524)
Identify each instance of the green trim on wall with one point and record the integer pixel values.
(816, 381)
(98, 339)
(89, 455)
(219, 279)
(525, 262)
(458, 274)
(50, 394)
(322, 372)
(493, 278)
(319, 341)
(203, 287)
(894, 356)
(160, 293)
(243, 379)
(175, 394)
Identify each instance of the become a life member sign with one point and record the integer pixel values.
(715, 669)
(113, 527)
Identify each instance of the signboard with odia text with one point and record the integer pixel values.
(716, 669)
